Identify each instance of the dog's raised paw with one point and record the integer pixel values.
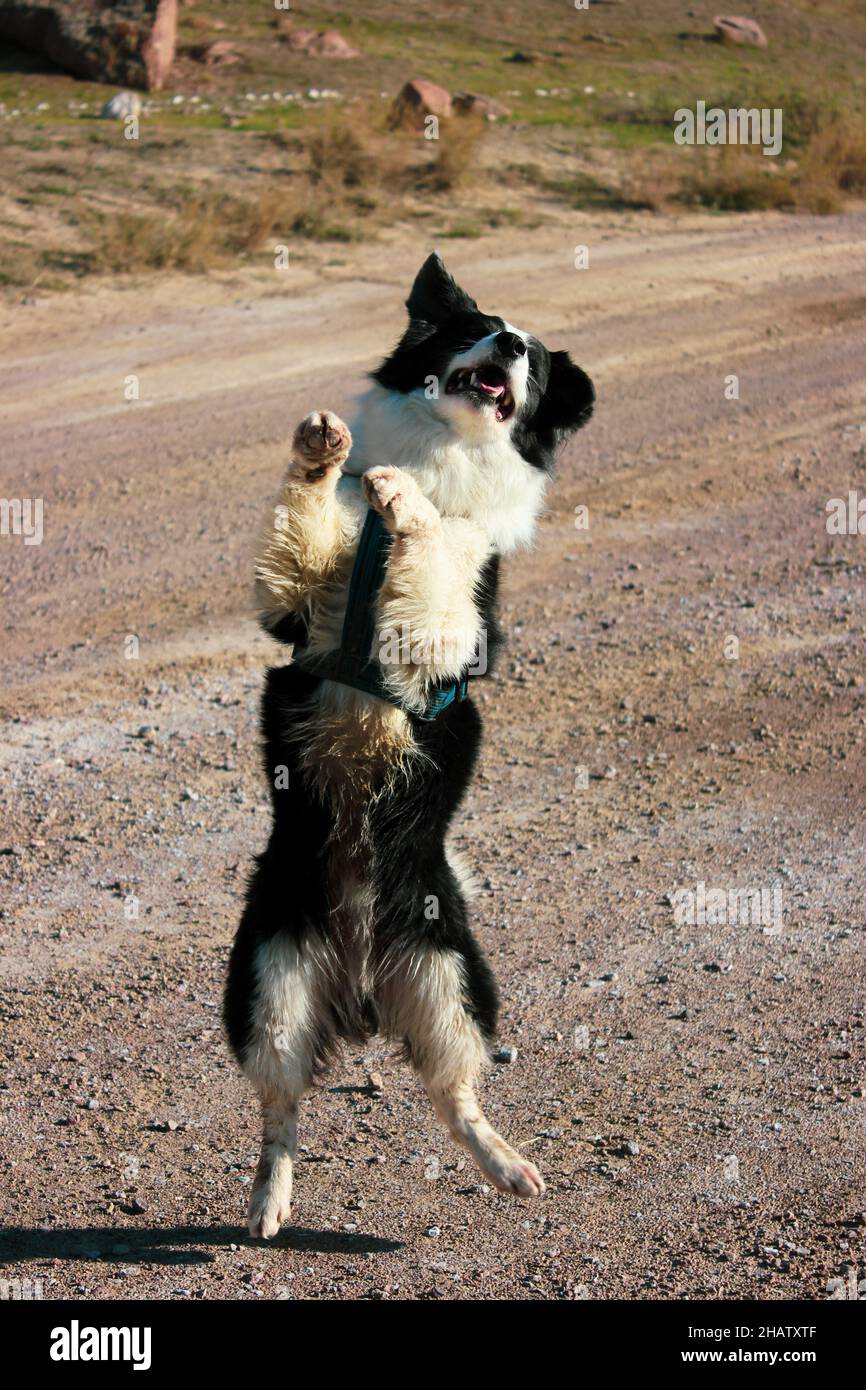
(322, 443)
(398, 500)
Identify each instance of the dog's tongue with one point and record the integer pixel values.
(494, 390)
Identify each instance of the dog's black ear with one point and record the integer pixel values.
(435, 294)
(568, 399)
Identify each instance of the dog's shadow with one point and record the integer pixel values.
(173, 1245)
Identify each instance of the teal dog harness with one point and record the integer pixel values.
(351, 664)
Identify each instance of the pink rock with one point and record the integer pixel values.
(333, 45)
(735, 29)
(417, 100)
(219, 54)
(326, 44)
(158, 50)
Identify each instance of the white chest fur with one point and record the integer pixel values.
(477, 474)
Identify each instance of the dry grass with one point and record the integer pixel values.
(207, 232)
(833, 166)
(326, 200)
(189, 239)
(458, 157)
(340, 152)
(360, 150)
(741, 179)
(736, 178)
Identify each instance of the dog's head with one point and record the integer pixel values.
(482, 375)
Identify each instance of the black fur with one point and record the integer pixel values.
(288, 891)
(407, 857)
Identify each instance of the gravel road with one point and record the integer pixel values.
(682, 704)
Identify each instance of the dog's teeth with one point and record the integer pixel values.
(473, 378)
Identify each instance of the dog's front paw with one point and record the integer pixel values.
(321, 444)
(399, 501)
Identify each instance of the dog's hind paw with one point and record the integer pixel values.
(321, 444)
(509, 1172)
(265, 1218)
(270, 1205)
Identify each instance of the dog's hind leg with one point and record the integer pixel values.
(428, 999)
(279, 1056)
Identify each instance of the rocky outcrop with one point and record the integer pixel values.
(129, 43)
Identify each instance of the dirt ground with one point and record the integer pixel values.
(692, 1093)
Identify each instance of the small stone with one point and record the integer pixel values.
(121, 107)
(739, 30)
(505, 1054)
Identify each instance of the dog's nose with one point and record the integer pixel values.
(509, 346)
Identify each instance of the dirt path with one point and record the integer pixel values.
(693, 1094)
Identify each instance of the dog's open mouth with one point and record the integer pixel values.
(486, 384)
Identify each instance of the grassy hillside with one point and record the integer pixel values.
(285, 146)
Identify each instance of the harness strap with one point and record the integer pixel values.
(367, 576)
(351, 664)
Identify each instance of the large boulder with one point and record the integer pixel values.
(416, 101)
(733, 28)
(128, 43)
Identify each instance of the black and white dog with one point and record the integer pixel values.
(356, 918)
